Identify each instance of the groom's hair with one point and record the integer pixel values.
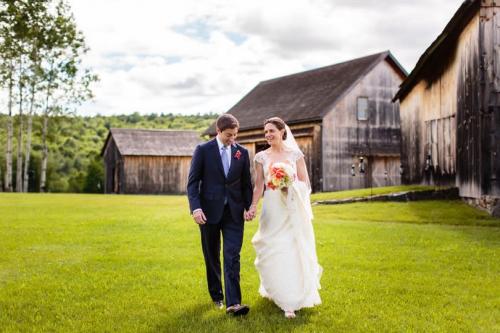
(278, 122)
(226, 121)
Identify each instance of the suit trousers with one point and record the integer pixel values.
(232, 237)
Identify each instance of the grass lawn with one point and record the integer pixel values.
(95, 263)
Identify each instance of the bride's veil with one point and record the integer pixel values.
(305, 202)
(291, 144)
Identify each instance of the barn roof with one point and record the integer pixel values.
(305, 96)
(149, 142)
(438, 53)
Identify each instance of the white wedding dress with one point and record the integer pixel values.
(285, 244)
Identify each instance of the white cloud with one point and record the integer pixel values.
(200, 56)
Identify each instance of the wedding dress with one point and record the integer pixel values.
(285, 244)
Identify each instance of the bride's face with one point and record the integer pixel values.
(272, 134)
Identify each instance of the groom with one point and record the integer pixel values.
(220, 192)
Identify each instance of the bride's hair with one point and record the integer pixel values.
(278, 122)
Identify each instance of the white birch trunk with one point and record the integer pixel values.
(28, 142)
(45, 154)
(8, 153)
(19, 162)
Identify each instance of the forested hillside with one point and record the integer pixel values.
(75, 144)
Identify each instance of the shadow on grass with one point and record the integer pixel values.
(264, 316)
(442, 212)
(451, 212)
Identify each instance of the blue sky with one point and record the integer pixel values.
(203, 56)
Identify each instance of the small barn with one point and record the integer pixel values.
(143, 161)
(450, 106)
(341, 115)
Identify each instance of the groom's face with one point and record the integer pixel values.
(227, 136)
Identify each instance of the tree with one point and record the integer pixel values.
(21, 31)
(94, 179)
(37, 45)
(66, 85)
(8, 53)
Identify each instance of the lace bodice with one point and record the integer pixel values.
(264, 159)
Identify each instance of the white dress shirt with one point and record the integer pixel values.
(228, 150)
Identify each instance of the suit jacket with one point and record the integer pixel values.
(208, 186)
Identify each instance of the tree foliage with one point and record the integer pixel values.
(76, 142)
(41, 52)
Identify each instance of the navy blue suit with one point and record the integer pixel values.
(223, 201)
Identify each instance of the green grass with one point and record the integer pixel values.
(366, 192)
(94, 263)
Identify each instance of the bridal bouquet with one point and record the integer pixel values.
(281, 176)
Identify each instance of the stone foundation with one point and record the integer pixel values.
(439, 194)
(487, 203)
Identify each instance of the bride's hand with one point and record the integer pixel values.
(250, 214)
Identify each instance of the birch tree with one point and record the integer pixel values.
(19, 19)
(9, 16)
(66, 83)
(40, 59)
(37, 45)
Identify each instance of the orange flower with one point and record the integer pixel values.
(280, 176)
(271, 186)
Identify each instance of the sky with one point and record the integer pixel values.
(192, 56)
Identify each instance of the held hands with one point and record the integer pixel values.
(250, 214)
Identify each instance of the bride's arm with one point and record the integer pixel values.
(302, 172)
(258, 188)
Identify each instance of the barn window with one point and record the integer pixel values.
(362, 108)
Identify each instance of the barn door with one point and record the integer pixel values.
(383, 171)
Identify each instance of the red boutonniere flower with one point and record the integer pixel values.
(237, 155)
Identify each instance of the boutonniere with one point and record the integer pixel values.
(237, 155)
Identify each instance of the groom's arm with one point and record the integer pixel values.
(247, 182)
(194, 179)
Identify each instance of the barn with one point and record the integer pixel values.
(341, 115)
(450, 107)
(144, 161)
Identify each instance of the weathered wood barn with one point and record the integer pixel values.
(147, 161)
(338, 115)
(450, 105)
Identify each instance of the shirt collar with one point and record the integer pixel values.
(220, 144)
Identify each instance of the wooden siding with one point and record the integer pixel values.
(490, 98)
(428, 119)
(380, 168)
(113, 169)
(453, 113)
(345, 138)
(156, 174)
(468, 133)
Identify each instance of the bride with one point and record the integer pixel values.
(286, 251)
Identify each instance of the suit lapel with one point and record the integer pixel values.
(218, 159)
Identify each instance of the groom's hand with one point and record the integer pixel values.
(199, 217)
